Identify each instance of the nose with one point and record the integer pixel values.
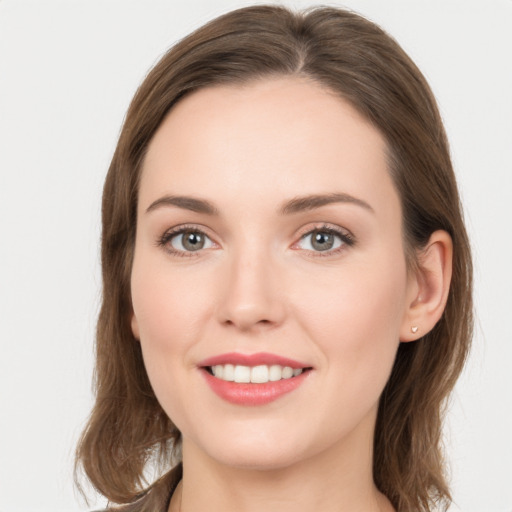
(252, 296)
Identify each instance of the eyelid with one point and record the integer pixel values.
(169, 234)
(344, 234)
(327, 226)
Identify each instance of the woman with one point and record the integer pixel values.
(287, 276)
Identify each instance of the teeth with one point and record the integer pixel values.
(275, 373)
(287, 372)
(255, 374)
(259, 374)
(229, 372)
(218, 371)
(242, 374)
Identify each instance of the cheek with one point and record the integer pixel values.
(167, 306)
(173, 311)
(167, 313)
(354, 315)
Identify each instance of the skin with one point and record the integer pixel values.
(260, 286)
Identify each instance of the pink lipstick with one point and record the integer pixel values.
(254, 379)
(252, 360)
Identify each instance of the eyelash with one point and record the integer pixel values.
(165, 239)
(346, 238)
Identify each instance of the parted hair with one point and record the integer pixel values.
(128, 431)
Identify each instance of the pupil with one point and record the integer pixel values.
(322, 241)
(193, 241)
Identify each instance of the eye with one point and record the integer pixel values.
(323, 240)
(186, 240)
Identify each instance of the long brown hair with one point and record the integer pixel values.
(356, 59)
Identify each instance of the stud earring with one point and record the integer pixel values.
(414, 329)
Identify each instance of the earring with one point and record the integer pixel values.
(414, 329)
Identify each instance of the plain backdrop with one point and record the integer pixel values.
(68, 70)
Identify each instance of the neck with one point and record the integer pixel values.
(338, 479)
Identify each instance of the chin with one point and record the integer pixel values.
(263, 451)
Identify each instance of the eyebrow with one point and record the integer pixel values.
(305, 203)
(187, 203)
(295, 205)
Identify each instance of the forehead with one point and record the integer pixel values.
(266, 139)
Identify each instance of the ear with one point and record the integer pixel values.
(135, 327)
(428, 287)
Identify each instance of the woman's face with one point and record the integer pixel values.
(268, 227)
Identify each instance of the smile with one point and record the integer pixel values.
(257, 374)
(255, 379)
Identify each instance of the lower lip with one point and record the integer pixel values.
(253, 394)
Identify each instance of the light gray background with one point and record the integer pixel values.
(67, 72)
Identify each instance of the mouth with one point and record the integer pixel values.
(255, 379)
(260, 374)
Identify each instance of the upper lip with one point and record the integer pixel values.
(259, 358)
